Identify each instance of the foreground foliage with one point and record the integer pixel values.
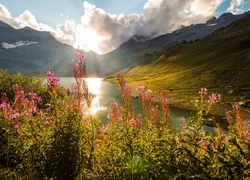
(48, 133)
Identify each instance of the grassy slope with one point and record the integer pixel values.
(220, 62)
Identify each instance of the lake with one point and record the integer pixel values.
(106, 92)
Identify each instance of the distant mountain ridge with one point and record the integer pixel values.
(29, 51)
(124, 55)
(219, 62)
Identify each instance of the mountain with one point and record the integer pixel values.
(219, 62)
(124, 55)
(29, 51)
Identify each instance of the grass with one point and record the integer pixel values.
(219, 62)
(60, 139)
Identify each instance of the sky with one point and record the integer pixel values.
(103, 25)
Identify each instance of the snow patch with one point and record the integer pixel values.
(211, 24)
(17, 44)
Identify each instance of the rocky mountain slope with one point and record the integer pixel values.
(29, 51)
(220, 62)
(137, 46)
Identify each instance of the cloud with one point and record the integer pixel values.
(66, 33)
(236, 7)
(104, 32)
(17, 44)
(159, 17)
(23, 20)
(6, 16)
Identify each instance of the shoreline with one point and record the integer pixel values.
(217, 110)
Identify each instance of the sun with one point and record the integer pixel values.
(88, 40)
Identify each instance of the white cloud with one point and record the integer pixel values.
(6, 16)
(66, 33)
(236, 7)
(159, 17)
(24, 19)
(17, 44)
(103, 32)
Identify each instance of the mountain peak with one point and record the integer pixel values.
(226, 15)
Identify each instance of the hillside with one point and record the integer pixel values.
(29, 51)
(127, 53)
(219, 62)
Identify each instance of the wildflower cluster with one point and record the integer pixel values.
(52, 80)
(24, 105)
(81, 87)
(60, 140)
(114, 114)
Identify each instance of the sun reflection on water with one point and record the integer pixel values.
(94, 86)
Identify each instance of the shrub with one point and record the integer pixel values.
(49, 133)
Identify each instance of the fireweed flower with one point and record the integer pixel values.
(245, 134)
(75, 67)
(80, 57)
(14, 116)
(114, 104)
(104, 129)
(53, 81)
(135, 122)
(47, 122)
(183, 122)
(149, 93)
(215, 97)
(164, 102)
(141, 88)
(114, 114)
(203, 91)
(4, 105)
(73, 89)
(15, 127)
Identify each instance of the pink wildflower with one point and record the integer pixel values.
(149, 92)
(141, 88)
(4, 105)
(246, 134)
(114, 104)
(15, 127)
(48, 122)
(104, 129)
(80, 57)
(52, 79)
(75, 67)
(114, 114)
(39, 99)
(135, 122)
(183, 123)
(14, 116)
(203, 91)
(214, 98)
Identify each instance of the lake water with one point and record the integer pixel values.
(106, 92)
